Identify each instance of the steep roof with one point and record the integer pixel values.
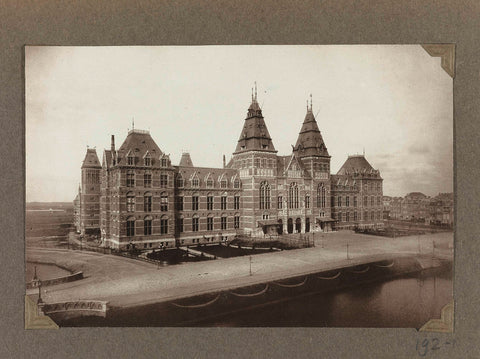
(356, 163)
(138, 143)
(186, 161)
(310, 141)
(254, 135)
(91, 159)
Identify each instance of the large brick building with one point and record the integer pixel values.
(137, 198)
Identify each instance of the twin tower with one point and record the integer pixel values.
(137, 198)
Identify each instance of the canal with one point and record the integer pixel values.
(408, 301)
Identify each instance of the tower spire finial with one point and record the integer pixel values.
(133, 123)
(311, 102)
(255, 90)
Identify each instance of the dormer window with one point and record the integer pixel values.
(147, 161)
(164, 162)
(223, 183)
(130, 160)
(236, 183)
(209, 182)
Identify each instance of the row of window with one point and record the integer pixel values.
(147, 161)
(147, 202)
(340, 202)
(147, 226)
(347, 216)
(293, 197)
(195, 223)
(209, 182)
(147, 179)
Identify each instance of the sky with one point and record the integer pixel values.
(394, 102)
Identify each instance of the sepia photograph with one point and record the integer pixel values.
(239, 186)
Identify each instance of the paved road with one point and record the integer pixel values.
(127, 282)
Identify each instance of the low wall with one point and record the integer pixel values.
(73, 309)
(54, 281)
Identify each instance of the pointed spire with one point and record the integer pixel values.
(133, 123)
(311, 102)
(255, 90)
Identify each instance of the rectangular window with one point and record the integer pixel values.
(347, 201)
(180, 203)
(223, 183)
(347, 217)
(195, 203)
(130, 160)
(180, 224)
(130, 179)
(148, 161)
(163, 226)
(147, 180)
(164, 203)
(147, 227)
(209, 223)
(163, 180)
(236, 202)
(355, 201)
(147, 203)
(195, 224)
(224, 203)
(307, 201)
(209, 203)
(236, 221)
(224, 222)
(195, 182)
(130, 228)
(339, 201)
(365, 202)
(280, 202)
(130, 203)
(372, 201)
(355, 216)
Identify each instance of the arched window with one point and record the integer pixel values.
(130, 226)
(321, 196)
(147, 202)
(147, 225)
(264, 195)
(293, 195)
(307, 201)
(179, 180)
(130, 202)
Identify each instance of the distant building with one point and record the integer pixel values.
(416, 206)
(137, 198)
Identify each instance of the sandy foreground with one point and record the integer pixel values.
(127, 282)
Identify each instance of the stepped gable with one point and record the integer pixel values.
(310, 142)
(254, 135)
(138, 143)
(91, 159)
(186, 160)
(357, 164)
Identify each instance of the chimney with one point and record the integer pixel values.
(224, 162)
(112, 146)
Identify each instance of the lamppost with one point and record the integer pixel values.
(250, 265)
(348, 257)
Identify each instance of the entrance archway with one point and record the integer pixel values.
(307, 225)
(290, 225)
(280, 226)
(298, 225)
